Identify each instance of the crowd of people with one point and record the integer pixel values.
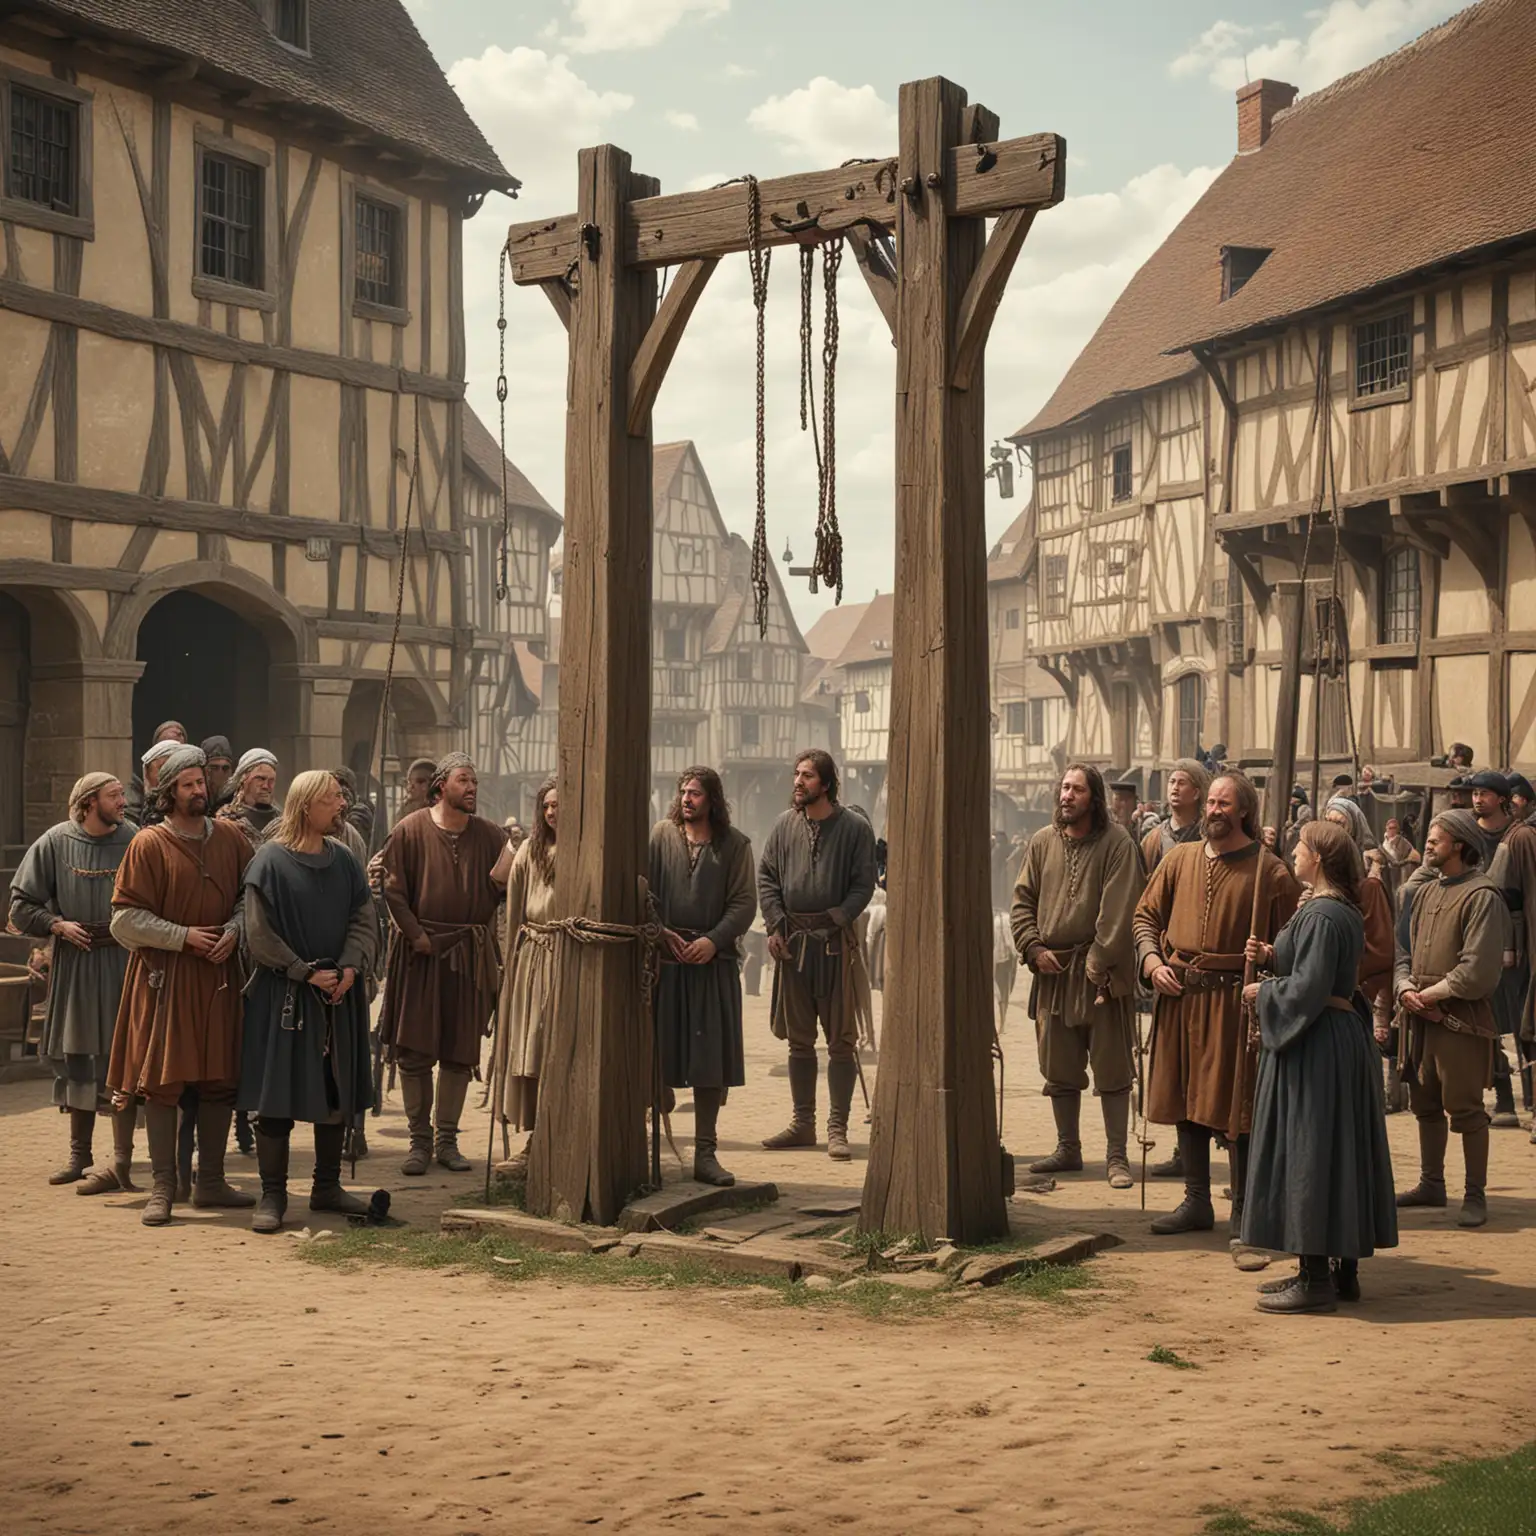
(213, 957)
(1285, 967)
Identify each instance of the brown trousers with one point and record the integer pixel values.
(1452, 1071)
(800, 1012)
(1067, 1051)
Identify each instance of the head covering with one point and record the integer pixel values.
(218, 746)
(1355, 824)
(1195, 770)
(158, 752)
(1462, 825)
(257, 757)
(169, 725)
(178, 760)
(425, 764)
(1520, 785)
(447, 765)
(84, 788)
(1489, 778)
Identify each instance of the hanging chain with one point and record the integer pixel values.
(829, 538)
(807, 401)
(503, 581)
(758, 260)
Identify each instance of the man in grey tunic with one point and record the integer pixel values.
(63, 891)
(701, 877)
(815, 880)
(1072, 910)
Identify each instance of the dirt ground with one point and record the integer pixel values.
(199, 1379)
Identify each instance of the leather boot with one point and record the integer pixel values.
(272, 1144)
(161, 1122)
(1169, 1168)
(210, 1188)
(1504, 1116)
(326, 1194)
(82, 1124)
(244, 1137)
(803, 1072)
(1239, 1162)
(842, 1074)
(118, 1174)
(1195, 1212)
(706, 1116)
(1474, 1207)
(1430, 1190)
(452, 1088)
(416, 1094)
(1117, 1128)
(186, 1139)
(1068, 1156)
(1311, 1291)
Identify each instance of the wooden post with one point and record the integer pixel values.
(934, 1163)
(1277, 792)
(589, 1153)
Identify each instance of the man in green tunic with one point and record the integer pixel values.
(63, 891)
(816, 878)
(1445, 985)
(1072, 910)
(701, 877)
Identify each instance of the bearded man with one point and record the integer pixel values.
(251, 789)
(142, 805)
(1187, 786)
(1071, 919)
(63, 891)
(169, 733)
(220, 769)
(816, 877)
(177, 908)
(445, 870)
(1458, 931)
(701, 879)
(311, 934)
(1191, 926)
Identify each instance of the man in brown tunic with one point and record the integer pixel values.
(445, 869)
(816, 877)
(1071, 920)
(1191, 925)
(176, 906)
(1458, 931)
(702, 880)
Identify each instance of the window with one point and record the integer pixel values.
(1383, 356)
(1237, 650)
(679, 683)
(685, 555)
(1011, 619)
(1191, 713)
(750, 731)
(1055, 586)
(230, 240)
(40, 167)
(1238, 264)
(1014, 718)
(674, 645)
(290, 23)
(1034, 736)
(45, 153)
(744, 666)
(861, 702)
(1400, 598)
(378, 265)
(1120, 473)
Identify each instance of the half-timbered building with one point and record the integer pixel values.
(231, 320)
(1345, 321)
(865, 715)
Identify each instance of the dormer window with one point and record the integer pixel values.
(290, 23)
(1238, 264)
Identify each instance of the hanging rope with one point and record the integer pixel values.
(503, 582)
(829, 538)
(758, 262)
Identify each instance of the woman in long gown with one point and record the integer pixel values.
(527, 977)
(1320, 1170)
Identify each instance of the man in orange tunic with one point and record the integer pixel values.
(176, 906)
(1190, 926)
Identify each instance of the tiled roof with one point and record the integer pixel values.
(830, 633)
(1009, 558)
(367, 67)
(871, 641)
(484, 456)
(1420, 157)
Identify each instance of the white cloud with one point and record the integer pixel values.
(684, 120)
(825, 123)
(738, 72)
(1345, 36)
(604, 26)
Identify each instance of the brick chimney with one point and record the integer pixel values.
(1257, 104)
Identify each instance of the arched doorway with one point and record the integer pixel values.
(205, 666)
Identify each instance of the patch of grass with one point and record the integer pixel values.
(1163, 1356)
(1486, 1497)
(1048, 1282)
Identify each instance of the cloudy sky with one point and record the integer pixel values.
(702, 90)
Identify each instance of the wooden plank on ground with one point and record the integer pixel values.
(681, 1202)
(518, 1226)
